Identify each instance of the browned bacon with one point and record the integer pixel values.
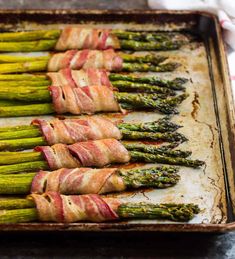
(55, 207)
(97, 153)
(87, 99)
(70, 131)
(84, 38)
(78, 181)
(84, 59)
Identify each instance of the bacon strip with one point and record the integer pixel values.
(84, 38)
(78, 181)
(70, 131)
(55, 207)
(87, 99)
(80, 78)
(84, 59)
(97, 153)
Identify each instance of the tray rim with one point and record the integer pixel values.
(157, 227)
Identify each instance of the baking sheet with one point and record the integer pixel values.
(204, 186)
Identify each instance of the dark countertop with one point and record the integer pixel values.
(109, 245)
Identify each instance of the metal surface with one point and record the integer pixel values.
(207, 116)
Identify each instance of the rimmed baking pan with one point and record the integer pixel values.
(207, 115)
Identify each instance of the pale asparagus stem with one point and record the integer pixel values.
(24, 167)
(23, 77)
(22, 59)
(168, 211)
(8, 158)
(29, 35)
(27, 46)
(20, 144)
(26, 110)
(15, 85)
(31, 66)
(18, 128)
(18, 216)
(15, 203)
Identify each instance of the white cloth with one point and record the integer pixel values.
(225, 9)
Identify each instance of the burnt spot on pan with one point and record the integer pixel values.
(194, 114)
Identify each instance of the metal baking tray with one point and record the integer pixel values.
(207, 116)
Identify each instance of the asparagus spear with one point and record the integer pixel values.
(170, 211)
(134, 67)
(26, 110)
(151, 45)
(137, 101)
(136, 156)
(31, 66)
(140, 87)
(41, 65)
(161, 125)
(175, 84)
(10, 85)
(29, 35)
(27, 46)
(24, 167)
(152, 36)
(155, 177)
(22, 143)
(49, 44)
(167, 211)
(20, 140)
(8, 158)
(23, 77)
(170, 137)
(150, 59)
(157, 158)
(128, 35)
(152, 149)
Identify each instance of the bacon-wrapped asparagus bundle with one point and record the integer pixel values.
(97, 153)
(77, 37)
(83, 59)
(55, 207)
(88, 180)
(87, 99)
(69, 131)
(86, 77)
